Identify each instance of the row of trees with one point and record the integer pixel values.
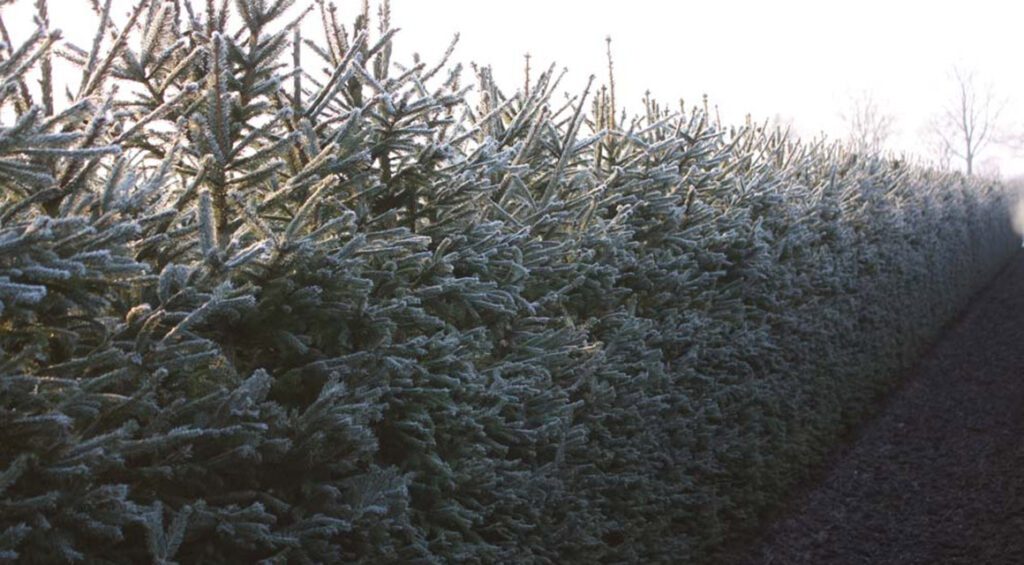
(957, 135)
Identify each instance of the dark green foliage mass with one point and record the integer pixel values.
(267, 299)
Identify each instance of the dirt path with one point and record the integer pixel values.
(938, 477)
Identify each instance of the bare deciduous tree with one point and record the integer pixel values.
(869, 128)
(968, 123)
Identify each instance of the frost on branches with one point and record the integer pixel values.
(273, 298)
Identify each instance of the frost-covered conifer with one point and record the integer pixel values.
(270, 296)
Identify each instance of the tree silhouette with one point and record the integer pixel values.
(967, 124)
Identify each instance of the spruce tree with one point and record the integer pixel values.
(269, 295)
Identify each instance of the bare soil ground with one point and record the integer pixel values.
(938, 476)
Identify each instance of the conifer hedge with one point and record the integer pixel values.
(267, 299)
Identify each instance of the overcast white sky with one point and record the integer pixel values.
(798, 59)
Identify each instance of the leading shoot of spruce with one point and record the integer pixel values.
(273, 299)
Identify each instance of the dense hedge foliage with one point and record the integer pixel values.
(256, 310)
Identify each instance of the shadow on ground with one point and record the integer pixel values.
(938, 477)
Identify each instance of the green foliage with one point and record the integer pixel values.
(267, 299)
